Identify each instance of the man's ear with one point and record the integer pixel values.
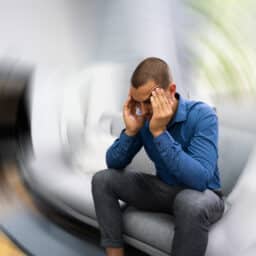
(172, 88)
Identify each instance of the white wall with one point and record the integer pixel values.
(46, 33)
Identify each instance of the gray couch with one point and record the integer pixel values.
(50, 176)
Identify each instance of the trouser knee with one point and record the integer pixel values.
(188, 212)
(101, 180)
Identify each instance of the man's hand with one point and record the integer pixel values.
(133, 122)
(163, 111)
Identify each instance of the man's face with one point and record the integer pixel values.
(141, 98)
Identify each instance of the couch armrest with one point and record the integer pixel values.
(236, 231)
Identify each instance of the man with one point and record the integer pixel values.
(180, 137)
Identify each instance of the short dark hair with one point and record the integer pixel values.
(152, 68)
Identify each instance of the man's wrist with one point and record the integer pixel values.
(158, 132)
(130, 133)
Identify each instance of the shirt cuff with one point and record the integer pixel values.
(165, 141)
(126, 141)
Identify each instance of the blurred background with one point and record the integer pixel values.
(65, 66)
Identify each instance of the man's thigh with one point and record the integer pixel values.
(141, 190)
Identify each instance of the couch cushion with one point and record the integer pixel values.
(54, 180)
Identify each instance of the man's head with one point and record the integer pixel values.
(148, 75)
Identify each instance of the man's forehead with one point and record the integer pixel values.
(143, 92)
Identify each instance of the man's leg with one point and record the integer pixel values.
(194, 212)
(143, 191)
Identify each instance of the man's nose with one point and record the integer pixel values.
(144, 109)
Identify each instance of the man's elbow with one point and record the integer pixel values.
(114, 163)
(199, 181)
(203, 180)
(201, 187)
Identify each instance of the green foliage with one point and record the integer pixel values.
(225, 46)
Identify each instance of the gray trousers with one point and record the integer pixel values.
(194, 212)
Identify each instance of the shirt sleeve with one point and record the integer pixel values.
(196, 166)
(122, 151)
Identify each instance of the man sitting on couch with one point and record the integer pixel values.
(180, 136)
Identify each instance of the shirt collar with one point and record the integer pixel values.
(181, 112)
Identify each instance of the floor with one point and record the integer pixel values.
(16, 201)
(7, 247)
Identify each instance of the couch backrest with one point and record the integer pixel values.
(235, 147)
(140, 162)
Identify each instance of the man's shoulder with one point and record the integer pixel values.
(199, 109)
(200, 114)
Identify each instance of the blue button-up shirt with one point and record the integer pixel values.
(185, 154)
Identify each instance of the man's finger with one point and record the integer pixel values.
(153, 103)
(159, 102)
(163, 101)
(128, 105)
(168, 104)
(156, 105)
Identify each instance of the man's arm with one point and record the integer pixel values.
(122, 151)
(195, 167)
